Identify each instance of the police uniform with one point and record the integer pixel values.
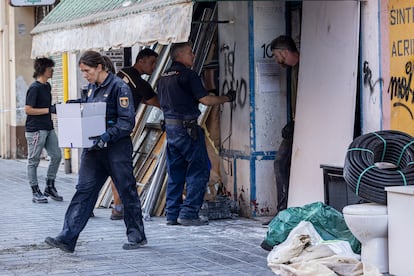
(114, 160)
(140, 88)
(179, 91)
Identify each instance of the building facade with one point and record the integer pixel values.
(354, 78)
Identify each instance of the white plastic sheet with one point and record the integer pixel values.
(304, 253)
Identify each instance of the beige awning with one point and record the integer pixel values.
(77, 25)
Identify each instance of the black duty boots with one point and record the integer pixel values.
(51, 191)
(38, 197)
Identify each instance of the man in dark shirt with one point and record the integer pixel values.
(39, 131)
(142, 91)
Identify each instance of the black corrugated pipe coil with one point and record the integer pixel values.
(377, 160)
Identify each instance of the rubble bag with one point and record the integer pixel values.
(327, 221)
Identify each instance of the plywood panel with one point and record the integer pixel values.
(326, 94)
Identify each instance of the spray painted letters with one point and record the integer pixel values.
(230, 82)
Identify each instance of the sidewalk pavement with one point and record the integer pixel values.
(224, 247)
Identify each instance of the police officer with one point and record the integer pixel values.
(180, 90)
(111, 155)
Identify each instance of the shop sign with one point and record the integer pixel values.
(400, 88)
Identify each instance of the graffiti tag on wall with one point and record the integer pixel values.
(230, 82)
(368, 82)
(400, 90)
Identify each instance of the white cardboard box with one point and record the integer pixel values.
(77, 122)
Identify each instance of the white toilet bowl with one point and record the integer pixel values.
(368, 222)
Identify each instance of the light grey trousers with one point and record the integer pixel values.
(36, 141)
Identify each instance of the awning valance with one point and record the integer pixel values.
(77, 25)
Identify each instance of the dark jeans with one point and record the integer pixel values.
(187, 163)
(96, 166)
(282, 172)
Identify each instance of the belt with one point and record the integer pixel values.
(190, 125)
(179, 122)
(176, 122)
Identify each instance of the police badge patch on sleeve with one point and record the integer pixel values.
(124, 102)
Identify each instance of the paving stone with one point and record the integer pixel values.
(224, 247)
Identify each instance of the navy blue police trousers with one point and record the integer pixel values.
(187, 166)
(115, 161)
